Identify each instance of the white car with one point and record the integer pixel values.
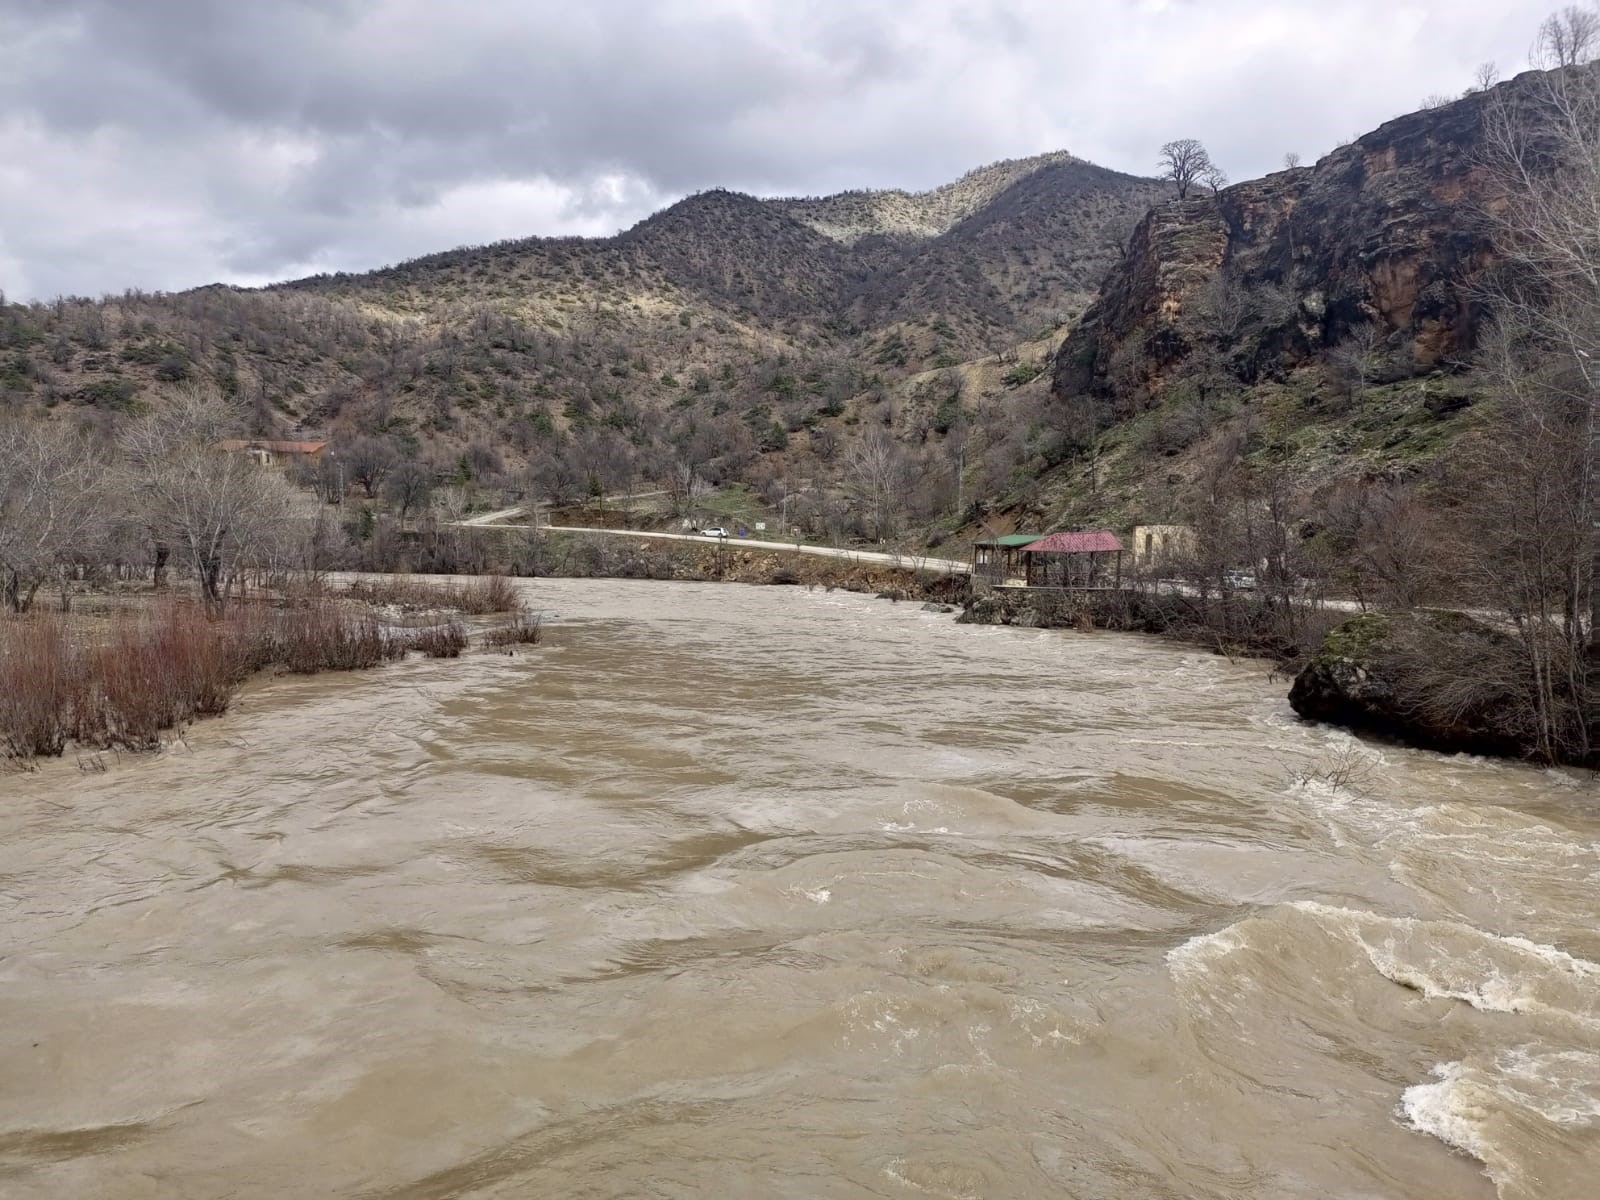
(714, 531)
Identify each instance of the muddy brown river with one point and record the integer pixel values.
(740, 892)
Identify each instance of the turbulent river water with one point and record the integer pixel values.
(729, 891)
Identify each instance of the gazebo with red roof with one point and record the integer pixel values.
(1073, 559)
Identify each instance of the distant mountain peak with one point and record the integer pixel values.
(850, 216)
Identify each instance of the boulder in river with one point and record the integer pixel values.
(1423, 678)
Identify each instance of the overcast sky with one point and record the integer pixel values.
(166, 143)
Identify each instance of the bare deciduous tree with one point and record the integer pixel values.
(1291, 160)
(408, 488)
(48, 505)
(686, 491)
(1567, 38)
(1383, 544)
(1544, 150)
(875, 477)
(367, 460)
(1524, 546)
(1185, 163)
(1352, 362)
(218, 510)
(556, 477)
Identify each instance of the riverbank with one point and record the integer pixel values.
(1294, 637)
(134, 670)
(1301, 641)
(576, 556)
(1233, 625)
(1439, 681)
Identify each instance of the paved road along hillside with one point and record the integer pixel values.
(911, 562)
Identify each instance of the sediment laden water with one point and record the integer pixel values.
(779, 893)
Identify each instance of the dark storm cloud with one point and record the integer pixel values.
(162, 143)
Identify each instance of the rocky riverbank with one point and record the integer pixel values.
(1435, 680)
(1235, 624)
(1423, 688)
(1442, 681)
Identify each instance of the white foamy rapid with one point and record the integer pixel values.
(1525, 1102)
(1497, 1109)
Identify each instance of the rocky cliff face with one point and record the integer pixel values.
(1381, 241)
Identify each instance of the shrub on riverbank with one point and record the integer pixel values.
(475, 597)
(37, 684)
(155, 674)
(1236, 624)
(447, 640)
(123, 684)
(524, 629)
(328, 637)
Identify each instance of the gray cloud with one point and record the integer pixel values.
(167, 143)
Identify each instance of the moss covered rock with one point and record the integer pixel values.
(1419, 678)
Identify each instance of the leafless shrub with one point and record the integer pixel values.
(1520, 693)
(1349, 768)
(490, 594)
(524, 629)
(402, 591)
(36, 687)
(328, 637)
(446, 640)
(154, 673)
(148, 673)
(476, 597)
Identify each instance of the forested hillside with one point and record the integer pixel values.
(725, 339)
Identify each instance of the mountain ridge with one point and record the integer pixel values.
(743, 340)
(851, 215)
(721, 336)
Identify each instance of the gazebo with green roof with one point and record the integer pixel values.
(998, 559)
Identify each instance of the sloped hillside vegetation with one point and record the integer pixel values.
(725, 340)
